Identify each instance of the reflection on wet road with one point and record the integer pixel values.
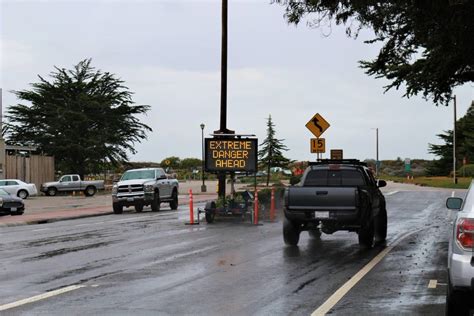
(151, 263)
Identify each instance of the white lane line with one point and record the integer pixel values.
(391, 193)
(453, 193)
(40, 297)
(38, 230)
(433, 284)
(343, 290)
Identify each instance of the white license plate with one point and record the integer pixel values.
(318, 214)
(129, 199)
(13, 209)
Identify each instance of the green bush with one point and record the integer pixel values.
(466, 171)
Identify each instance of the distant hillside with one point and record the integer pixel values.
(397, 167)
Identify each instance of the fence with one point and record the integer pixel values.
(33, 169)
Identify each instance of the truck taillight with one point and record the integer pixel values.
(465, 233)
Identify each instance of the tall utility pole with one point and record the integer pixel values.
(455, 180)
(223, 118)
(377, 152)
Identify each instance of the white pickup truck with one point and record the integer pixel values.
(72, 182)
(143, 187)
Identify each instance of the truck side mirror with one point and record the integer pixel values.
(381, 183)
(454, 203)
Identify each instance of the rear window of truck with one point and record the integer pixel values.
(334, 178)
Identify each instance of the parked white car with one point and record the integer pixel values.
(461, 256)
(18, 188)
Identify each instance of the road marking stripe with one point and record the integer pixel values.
(391, 193)
(38, 230)
(452, 194)
(432, 284)
(343, 290)
(40, 297)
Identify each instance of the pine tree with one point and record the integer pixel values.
(270, 155)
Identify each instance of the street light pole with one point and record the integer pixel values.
(203, 186)
(455, 180)
(377, 152)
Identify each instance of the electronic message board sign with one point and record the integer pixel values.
(231, 154)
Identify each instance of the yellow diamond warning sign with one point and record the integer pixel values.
(317, 125)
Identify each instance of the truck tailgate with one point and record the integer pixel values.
(322, 198)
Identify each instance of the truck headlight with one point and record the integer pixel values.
(149, 188)
(114, 189)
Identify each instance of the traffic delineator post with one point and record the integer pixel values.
(191, 210)
(272, 205)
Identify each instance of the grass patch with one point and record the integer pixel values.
(437, 182)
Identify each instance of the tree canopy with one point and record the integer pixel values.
(271, 152)
(427, 46)
(464, 145)
(84, 117)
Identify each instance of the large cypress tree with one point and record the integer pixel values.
(464, 145)
(271, 152)
(84, 117)
(426, 47)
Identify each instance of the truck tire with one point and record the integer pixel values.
(118, 209)
(291, 233)
(22, 194)
(52, 191)
(155, 204)
(139, 208)
(366, 235)
(174, 201)
(381, 226)
(315, 233)
(90, 190)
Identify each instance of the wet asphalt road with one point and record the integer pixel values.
(152, 264)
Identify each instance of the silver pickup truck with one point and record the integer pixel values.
(143, 187)
(72, 182)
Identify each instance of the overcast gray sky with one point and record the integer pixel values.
(168, 52)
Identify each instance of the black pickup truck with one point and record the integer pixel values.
(336, 195)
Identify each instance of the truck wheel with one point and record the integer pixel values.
(381, 226)
(291, 232)
(366, 235)
(174, 202)
(139, 208)
(90, 191)
(22, 194)
(155, 204)
(52, 191)
(118, 209)
(315, 233)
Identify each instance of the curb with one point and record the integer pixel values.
(51, 220)
(58, 219)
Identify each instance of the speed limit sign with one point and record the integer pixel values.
(318, 145)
